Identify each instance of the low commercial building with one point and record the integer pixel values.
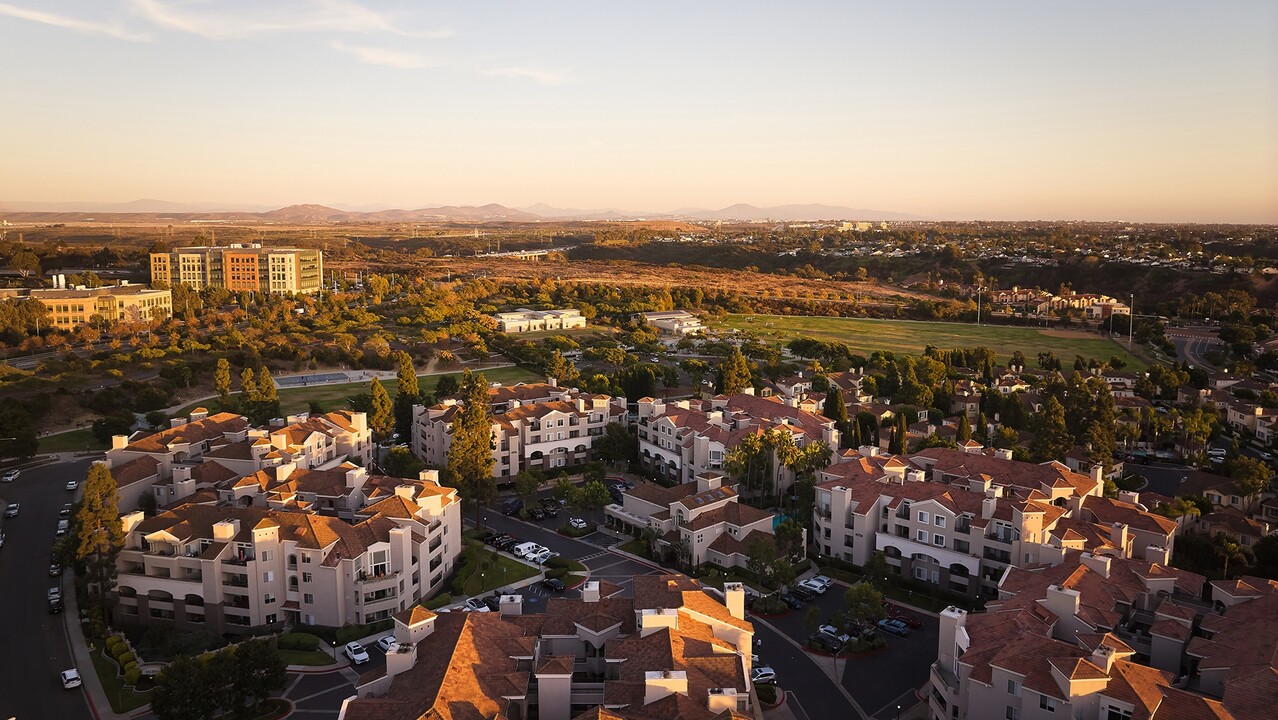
(525, 320)
(69, 308)
(230, 568)
(674, 322)
(241, 267)
(553, 429)
(670, 651)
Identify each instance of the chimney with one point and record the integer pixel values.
(1103, 657)
(119, 442)
(1128, 496)
(177, 422)
(1098, 563)
(734, 599)
(226, 530)
(1003, 453)
(199, 414)
(511, 605)
(431, 476)
(581, 404)
(1118, 538)
(658, 684)
(1158, 554)
(406, 491)
(283, 472)
(552, 382)
(1096, 473)
(130, 521)
(590, 591)
(400, 657)
(988, 506)
(1062, 602)
(355, 477)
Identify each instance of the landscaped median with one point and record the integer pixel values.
(124, 697)
(299, 648)
(481, 570)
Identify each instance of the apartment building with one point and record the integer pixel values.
(670, 651)
(524, 320)
(1097, 637)
(306, 441)
(960, 519)
(230, 568)
(244, 267)
(553, 429)
(702, 521)
(683, 439)
(674, 322)
(69, 308)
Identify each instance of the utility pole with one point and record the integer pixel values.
(1131, 320)
(978, 304)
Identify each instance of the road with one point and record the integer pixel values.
(35, 642)
(1192, 344)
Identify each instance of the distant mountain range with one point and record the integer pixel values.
(151, 210)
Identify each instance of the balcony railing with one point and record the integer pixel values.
(235, 580)
(1005, 538)
(823, 513)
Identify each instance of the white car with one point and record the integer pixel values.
(577, 523)
(386, 642)
(814, 586)
(9, 476)
(356, 653)
(763, 676)
(541, 557)
(12, 510)
(825, 581)
(475, 605)
(72, 485)
(70, 678)
(55, 593)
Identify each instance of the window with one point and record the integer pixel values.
(268, 576)
(921, 536)
(1013, 688)
(923, 517)
(1046, 703)
(266, 556)
(269, 598)
(306, 577)
(308, 598)
(1013, 713)
(271, 619)
(1113, 713)
(938, 520)
(920, 574)
(938, 540)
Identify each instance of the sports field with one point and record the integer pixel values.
(864, 336)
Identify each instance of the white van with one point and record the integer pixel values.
(524, 549)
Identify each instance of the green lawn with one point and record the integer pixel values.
(74, 441)
(333, 397)
(305, 657)
(122, 700)
(478, 573)
(864, 336)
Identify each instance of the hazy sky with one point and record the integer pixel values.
(1159, 110)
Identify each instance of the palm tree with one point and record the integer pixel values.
(1228, 551)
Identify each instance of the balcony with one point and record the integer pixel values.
(1004, 537)
(903, 513)
(999, 556)
(963, 528)
(823, 513)
(235, 580)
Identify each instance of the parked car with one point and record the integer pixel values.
(1, 539)
(834, 632)
(72, 485)
(577, 524)
(63, 526)
(356, 653)
(55, 593)
(512, 507)
(65, 511)
(488, 537)
(551, 510)
(9, 476)
(790, 600)
(763, 676)
(553, 584)
(803, 593)
(525, 549)
(385, 642)
(493, 602)
(12, 510)
(537, 514)
(540, 557)
(55, 607)
(55, 570)
(821, 580)
(71, 678)
(896, 612)
(826, 642)
(475, 605)
(813, 586)
(896, 627)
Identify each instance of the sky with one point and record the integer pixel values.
(1158, 110)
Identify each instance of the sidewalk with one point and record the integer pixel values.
(98, 703)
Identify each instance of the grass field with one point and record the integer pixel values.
(864, 336)
(333, 397)
(74, 441)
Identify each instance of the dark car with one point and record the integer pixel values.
(826, 642)
(793, 602)
(55, 606)
(506, 543)
(803, 593)
(553, 584)
(488, 537)
(512, 507)
(551, 510)
(896, 612)
(493, 602)
(537, 514)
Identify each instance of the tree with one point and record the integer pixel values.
(834, 408)
(266, 390)
(1052, 439)
(18, 437)
(406, 380)
(1251, 477)
(735, 373)
(222, 379)
(862, 603)
(1227, 551)
(447, 386)
(764, 561)
(377, 286)
(256, 671)
(470, 457)
(590, 497)
(812, 619)
(964, 429)
(182, 692)
(526, 486)
(401, 462)
(382, 417)
(896, 445)
(617, 444)
(561, 369)
(248, 385)
(25, 262)
(99, 532)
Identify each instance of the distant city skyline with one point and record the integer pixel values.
(1151, 111)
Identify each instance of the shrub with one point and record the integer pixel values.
(113, 643)
(131, 677)
(438, 601)
(130, 665)
(767, 693)
(125, 658)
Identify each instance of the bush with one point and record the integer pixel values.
(130, 665)
(132, 676)
(125, 658)
(113, 644)
(767, 693)
(437, 602)
(769, 605)
(348, 633)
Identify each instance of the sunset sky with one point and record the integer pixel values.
(1150, 111)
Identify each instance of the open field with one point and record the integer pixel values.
(864, 336)
(74, 441)
(333, 397)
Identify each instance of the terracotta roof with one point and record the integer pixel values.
(135, 470)
(555, 665)
(211, 427)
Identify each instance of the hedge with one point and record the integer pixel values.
(437, 602)
(132, 676)
(125, 658)
(298, 641)
(130, 665)
(348, 633)
(767, 693)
